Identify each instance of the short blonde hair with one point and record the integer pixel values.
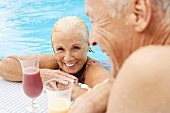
(64, 24)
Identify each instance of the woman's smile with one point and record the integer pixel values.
(70, 64)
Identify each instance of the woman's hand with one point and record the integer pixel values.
(47, 74)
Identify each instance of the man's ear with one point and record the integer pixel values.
(141, 14)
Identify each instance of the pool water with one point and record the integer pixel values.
(26, 25)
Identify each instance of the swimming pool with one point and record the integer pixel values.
(26, 25)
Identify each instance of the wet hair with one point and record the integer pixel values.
(67, 23)
(72, 23)
(118, 8)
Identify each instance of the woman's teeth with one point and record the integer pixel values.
(69, 65)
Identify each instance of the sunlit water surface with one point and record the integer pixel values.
(26, 25)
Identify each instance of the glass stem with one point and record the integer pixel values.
(34, 103)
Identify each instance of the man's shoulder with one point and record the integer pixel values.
(148, 62)
(153, 49)
(151, 53)
(148, 58)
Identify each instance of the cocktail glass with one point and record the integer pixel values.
(32, 83)
(59, 95)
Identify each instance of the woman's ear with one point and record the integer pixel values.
(52, 44)
(89, 49)
(88, 46)
(141, 11)
(53, 48)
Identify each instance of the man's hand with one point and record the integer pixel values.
(94, 101)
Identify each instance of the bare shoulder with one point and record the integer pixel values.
(94, 65)
(151, 55)
(96, 73)
(142, 83)
(152, 51)
(148, 61)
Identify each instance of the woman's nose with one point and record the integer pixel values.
(68, 56)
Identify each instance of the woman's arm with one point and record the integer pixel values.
(48, 61)
(10, 68)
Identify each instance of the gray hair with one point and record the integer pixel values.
(164, 6)
(118, 8)
(71, 22)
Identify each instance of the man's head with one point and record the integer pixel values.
(121, 27)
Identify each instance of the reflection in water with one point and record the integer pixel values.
(26, 25)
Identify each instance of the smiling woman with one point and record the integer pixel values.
(70, 61)
(70, 43)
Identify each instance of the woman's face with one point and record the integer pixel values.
(70, 51)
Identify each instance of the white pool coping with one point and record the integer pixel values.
(13, 99)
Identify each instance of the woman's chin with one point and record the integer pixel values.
(70, 71)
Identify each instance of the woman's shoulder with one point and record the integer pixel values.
(91, 62)
(95, 72)
(97, 67)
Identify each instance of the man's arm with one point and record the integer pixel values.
(94, 101)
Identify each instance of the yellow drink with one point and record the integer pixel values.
(59, 105)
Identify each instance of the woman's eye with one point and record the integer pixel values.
(76, 48)
(59, 49)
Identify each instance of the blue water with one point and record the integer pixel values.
(26, 25)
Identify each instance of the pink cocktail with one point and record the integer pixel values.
(32, 83)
